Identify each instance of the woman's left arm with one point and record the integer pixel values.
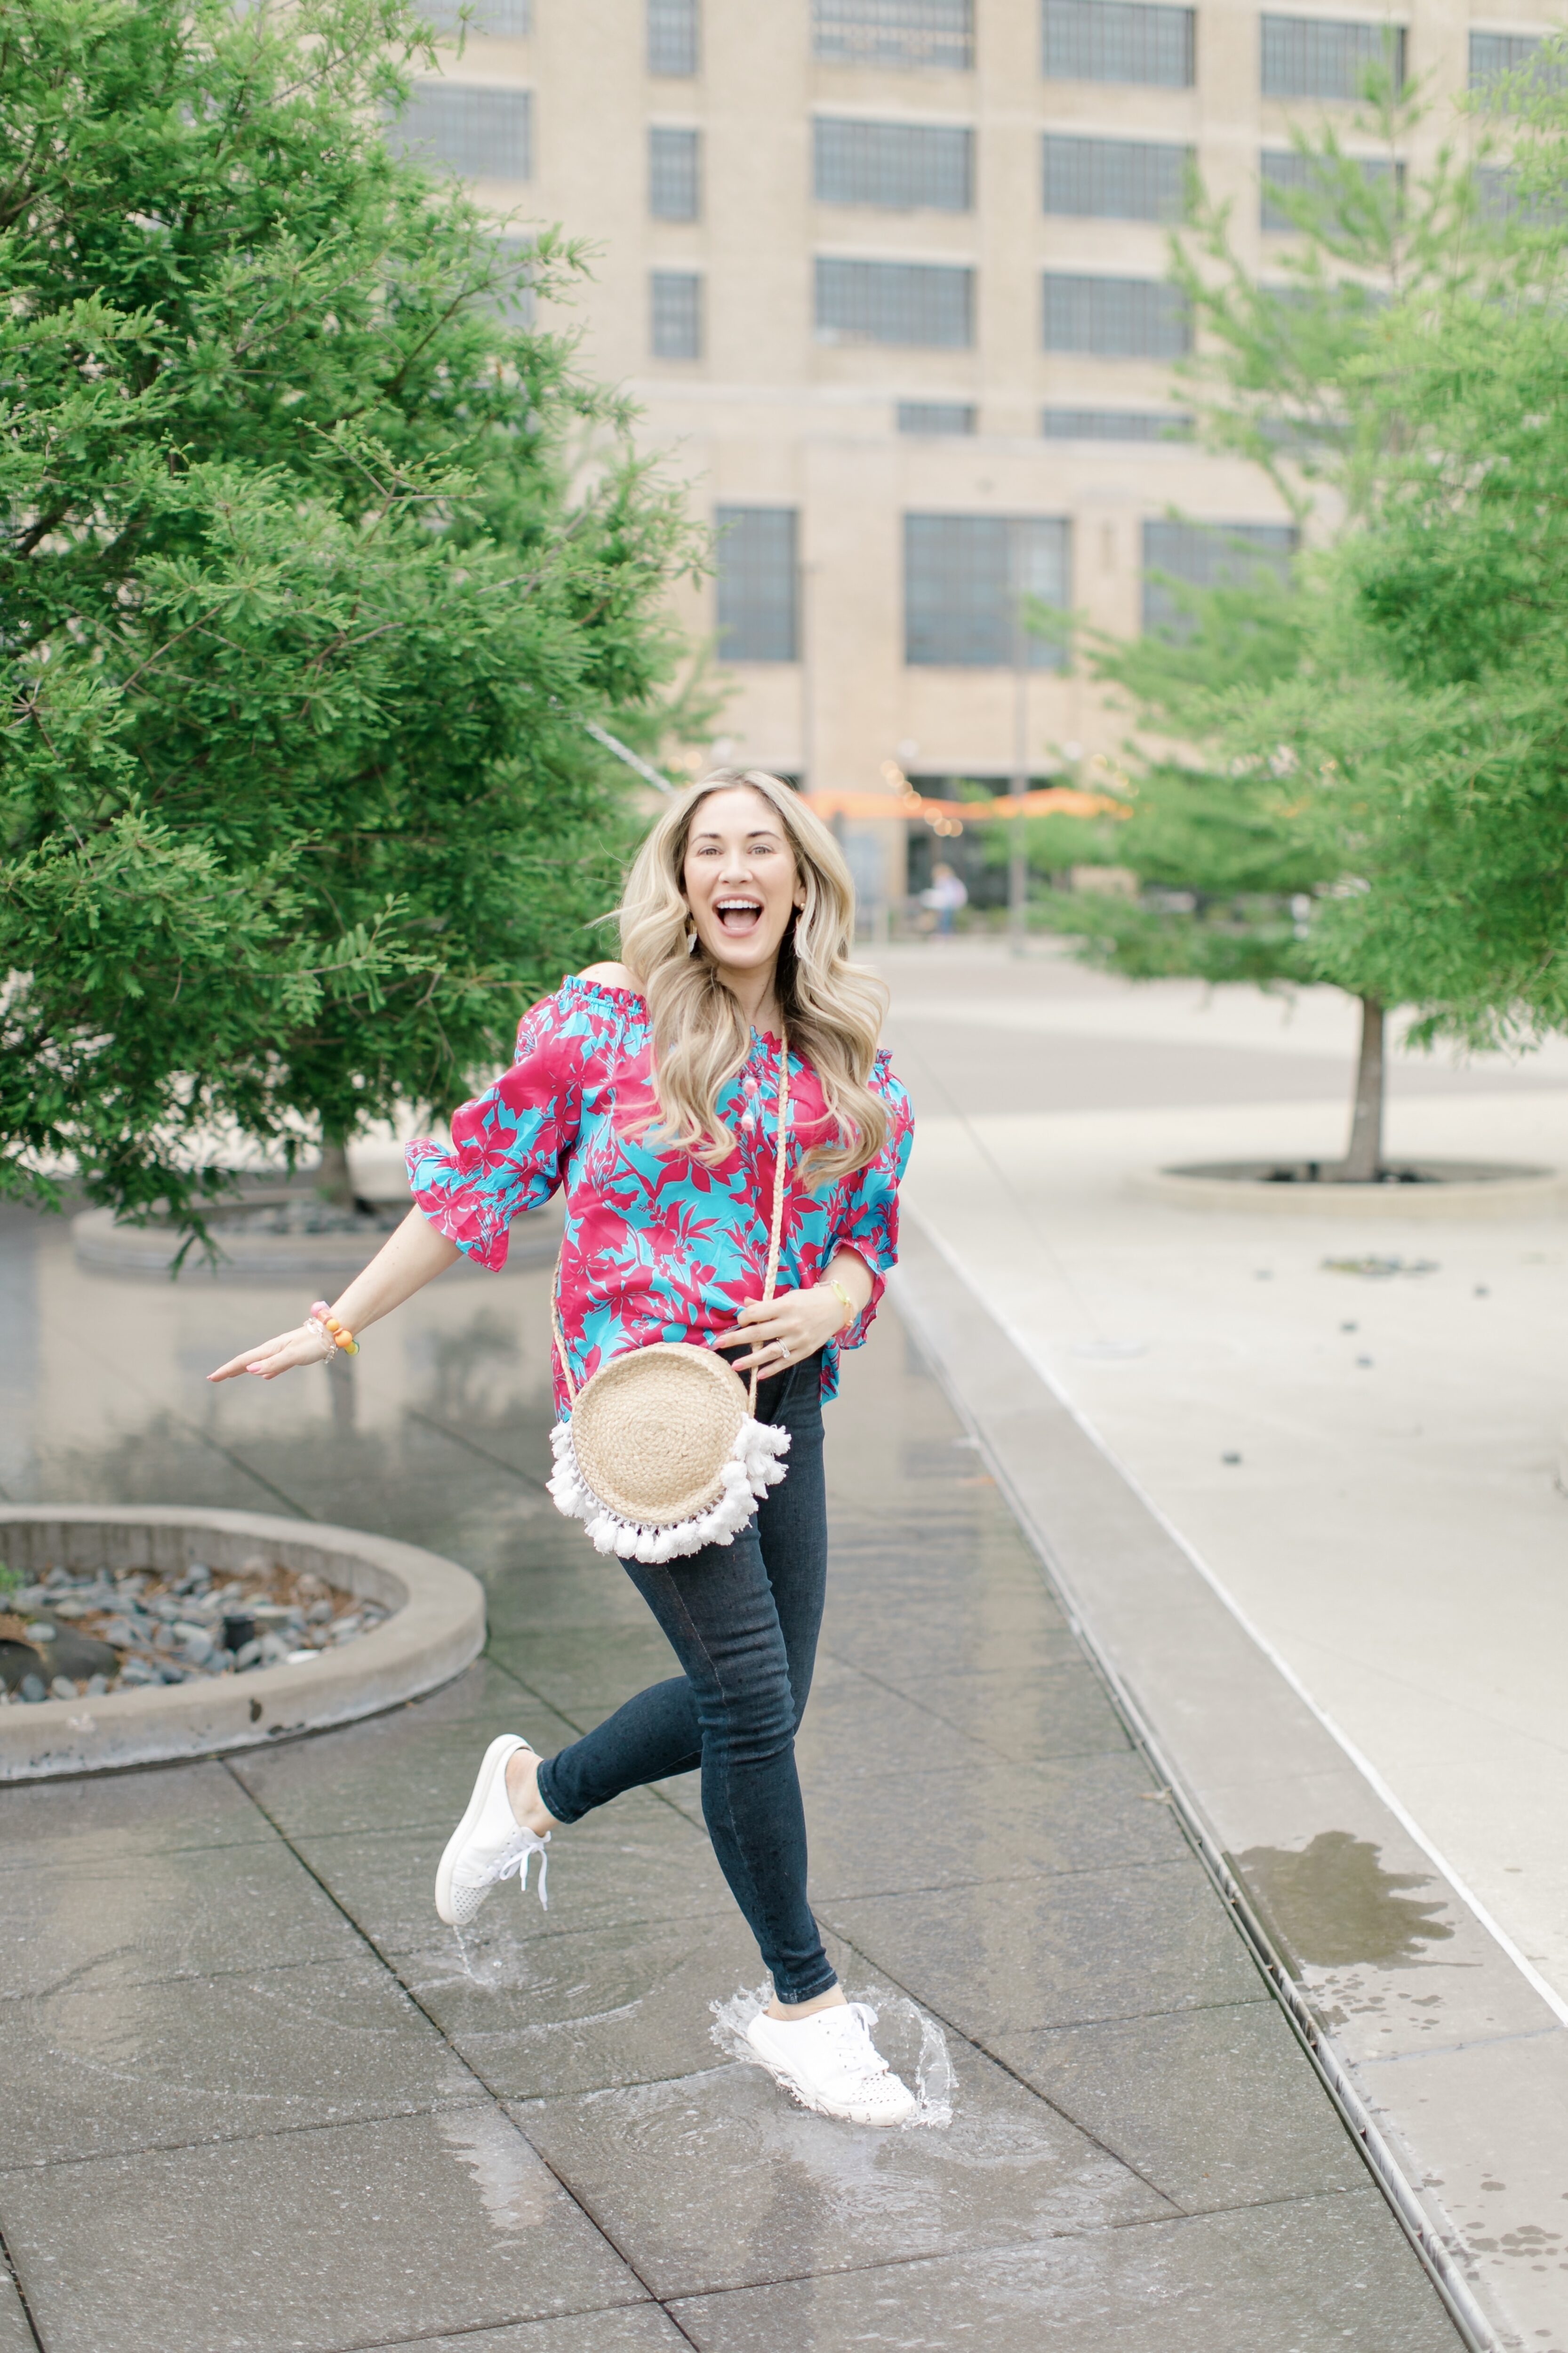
(796, 1324)
(839, 1305)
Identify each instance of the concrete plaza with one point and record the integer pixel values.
(257, 2099)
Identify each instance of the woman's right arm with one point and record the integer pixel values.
(407, 1259)
(505, 1156)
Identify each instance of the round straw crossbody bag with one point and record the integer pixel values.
(663, 1452)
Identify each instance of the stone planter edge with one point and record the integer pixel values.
(104, 1247)
(1532, 1192)
(437, 1630)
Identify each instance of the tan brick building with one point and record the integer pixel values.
(886, 277)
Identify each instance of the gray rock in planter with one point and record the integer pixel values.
(435, 1627)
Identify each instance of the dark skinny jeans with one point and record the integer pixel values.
(742, 1619)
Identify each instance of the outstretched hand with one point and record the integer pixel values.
(302, 1345)
(791, 1324)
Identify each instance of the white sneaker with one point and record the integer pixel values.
(490, 1844)
(830, 2063)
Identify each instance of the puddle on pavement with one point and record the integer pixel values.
(913, 2045)
(514, 2187)
(1331, 1903)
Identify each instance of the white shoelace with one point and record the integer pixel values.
(515, 1856)
(851, 2024)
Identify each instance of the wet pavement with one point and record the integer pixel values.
(257, 2098)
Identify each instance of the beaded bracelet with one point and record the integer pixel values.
(850, 1307)
(337, 1333)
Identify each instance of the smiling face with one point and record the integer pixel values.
(740, 881)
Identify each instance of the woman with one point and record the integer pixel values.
(645, 1089)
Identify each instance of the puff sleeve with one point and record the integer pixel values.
(509, 1144)
(867, 1212)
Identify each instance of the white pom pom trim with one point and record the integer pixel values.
(756, 1465)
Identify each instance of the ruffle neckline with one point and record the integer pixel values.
(612, 990)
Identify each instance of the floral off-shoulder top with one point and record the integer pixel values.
(658, 1246)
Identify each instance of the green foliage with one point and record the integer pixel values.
(313, 560)
(1286, 368)
(1377, 746)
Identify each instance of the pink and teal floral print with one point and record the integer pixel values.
(658, 1246)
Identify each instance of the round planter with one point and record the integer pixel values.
(1442, 1188)
(330, 1259)
(438, 1628)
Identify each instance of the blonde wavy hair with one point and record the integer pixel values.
(833, 1008)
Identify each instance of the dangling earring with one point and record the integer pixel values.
(691, 941)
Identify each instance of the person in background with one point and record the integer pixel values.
(946, 895)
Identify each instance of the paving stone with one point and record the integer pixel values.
(627, 2004)
(1323, 2275)
(1059, 1951)
(183, 1911)
(95, 2070)
(16, 2337)
(942, 1627)
(1053, 1711)
(413, 1766)
(1000, 1822)
(719, 2178)
(585, 1671)
(637, 1860)
(634, 2328)
(854, 1725)
(104, 1816)
(305, 2242)
(1213, 2106)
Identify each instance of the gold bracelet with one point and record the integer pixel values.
(851, 1310)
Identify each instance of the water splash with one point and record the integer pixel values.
(913, 2045)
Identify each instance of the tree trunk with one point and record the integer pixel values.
(333, 1182)
(1363, 1161)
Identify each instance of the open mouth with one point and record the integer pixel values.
(738, 916)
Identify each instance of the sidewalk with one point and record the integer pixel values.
(1363, 1469)
(257, 2099)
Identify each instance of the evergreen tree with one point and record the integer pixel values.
(316, 561)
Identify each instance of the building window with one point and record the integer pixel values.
(910, 302)
(1115, 318)
(676, 324)
(936, 417)
(1116, 179)
(903, 35)
(1499, 199)
(1119, 40)
(1492, 53)
(508, 19)
(1206, 555)
(757, 601)
(1498, 53)
(1313, 56)
(1284, 172)
(966, 578)
(486, 135)
(672, 37)
(902, 166)
(1115, 425)
(674, 182)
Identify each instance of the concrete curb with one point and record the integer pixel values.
(138, 1251)
(438, 1628)
(1426, 2056)
(1466, 1191)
